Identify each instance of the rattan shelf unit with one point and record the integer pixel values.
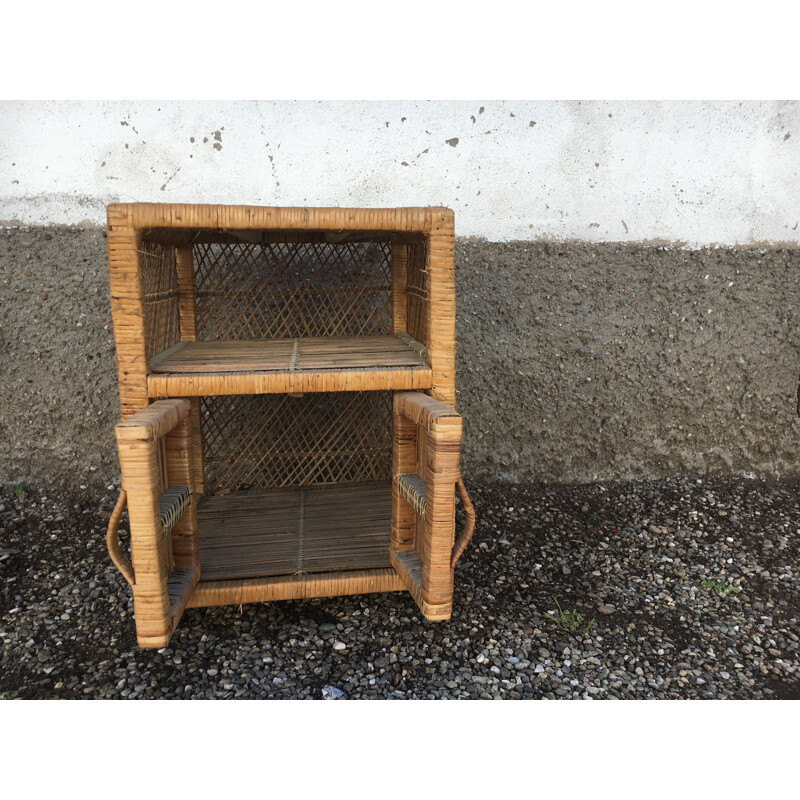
(287, 392)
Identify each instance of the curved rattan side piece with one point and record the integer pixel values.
(469, 526)
(112, 540)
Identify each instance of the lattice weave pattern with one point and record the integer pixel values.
(271, 441)
(160, 289)
(286, 290)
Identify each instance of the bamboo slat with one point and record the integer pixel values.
(184, 237)
(404, 460)
(187, 310)
(409, 569)
(440, 313)
(399, 282)
(127, 312)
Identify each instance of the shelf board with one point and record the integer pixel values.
(273, 366)
(295, 531)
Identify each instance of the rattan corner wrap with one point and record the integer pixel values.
(287, 391)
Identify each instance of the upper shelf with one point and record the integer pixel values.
(274, 366)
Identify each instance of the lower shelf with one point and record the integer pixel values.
(295, 531)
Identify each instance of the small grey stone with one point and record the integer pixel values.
(327, 627)
(606, 609)
(337, 645)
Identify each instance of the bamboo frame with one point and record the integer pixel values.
(128, 221)
(154, 452)
(161, 444)
(425, 563)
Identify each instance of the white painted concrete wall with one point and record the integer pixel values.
(697, 173)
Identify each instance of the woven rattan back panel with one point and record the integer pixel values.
(290, 289)
(268, 441)
(160, 289)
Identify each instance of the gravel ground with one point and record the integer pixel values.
(634, 557)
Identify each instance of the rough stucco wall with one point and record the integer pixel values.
(585, 362)
(693, 172)
(575, 362)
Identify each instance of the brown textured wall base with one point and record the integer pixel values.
(575, 362)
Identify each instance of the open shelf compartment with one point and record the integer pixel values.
(282, 310)
(295, 489)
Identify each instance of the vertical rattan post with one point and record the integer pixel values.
(187, 309)
(404, 432)
(442, 472)
(180, 472)
(197, 445)
(441, 307)
(399, 279)
(141, 479)
(127, 310)
(184, 271)
(404, 457)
